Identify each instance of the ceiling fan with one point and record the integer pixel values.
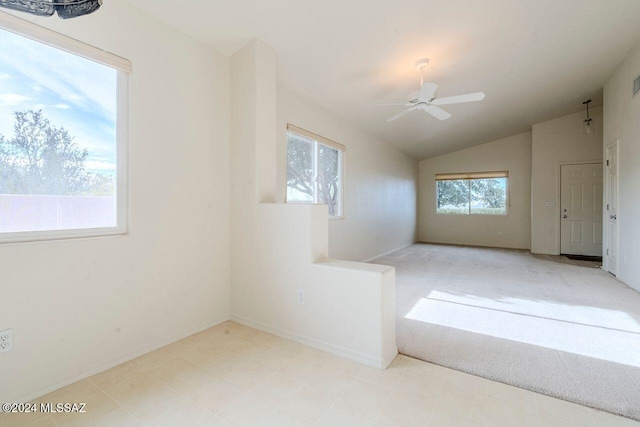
(425, 99)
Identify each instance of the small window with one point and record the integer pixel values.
(480, 193)
(314, 170)
(62, 136)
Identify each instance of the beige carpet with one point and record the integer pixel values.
(568, 331)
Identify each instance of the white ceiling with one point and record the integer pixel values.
(534, 59)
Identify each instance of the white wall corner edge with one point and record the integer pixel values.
(45, 389)
(365, 359)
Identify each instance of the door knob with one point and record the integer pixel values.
(564, 210)
(613, 216)
(564, 216)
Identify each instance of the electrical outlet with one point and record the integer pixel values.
(6, 340)
(300, 296)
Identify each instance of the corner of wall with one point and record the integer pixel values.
(279, 249)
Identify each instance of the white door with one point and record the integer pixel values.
(611, 217)
(581, 209)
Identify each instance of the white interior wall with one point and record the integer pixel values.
(622, 121)
(505, 231)
(557, 141)
(80, 306)
(279, 249)
(380, 182)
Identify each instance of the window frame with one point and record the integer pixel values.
(317, 142)
(471, 176)
(123, 69)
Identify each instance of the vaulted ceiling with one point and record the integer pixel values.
(535, 60)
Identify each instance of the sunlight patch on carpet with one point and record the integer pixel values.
(586, 340)
(595, 316)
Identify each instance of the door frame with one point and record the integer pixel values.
(600, 162)
(605, 213)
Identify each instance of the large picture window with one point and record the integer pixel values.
(314, 170)
(62, 136)
(479, 193)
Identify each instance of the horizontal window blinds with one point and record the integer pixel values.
(43, 35)
(472, 175)
(320, 139)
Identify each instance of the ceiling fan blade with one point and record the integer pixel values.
(469, 97)
(427, 91)
(404, 113)
(436, 112)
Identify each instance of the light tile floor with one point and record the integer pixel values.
(232, 375)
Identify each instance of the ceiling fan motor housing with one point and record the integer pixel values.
(413, 96)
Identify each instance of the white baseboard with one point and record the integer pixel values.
(471, 245)
(337, 350)
(388, 252)
(45, 389)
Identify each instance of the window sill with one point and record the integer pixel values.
(52, 235)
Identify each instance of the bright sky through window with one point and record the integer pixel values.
(72, 92)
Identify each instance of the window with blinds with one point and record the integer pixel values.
(472, 193)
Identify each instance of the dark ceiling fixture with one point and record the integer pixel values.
(65, 8)
(587, 124)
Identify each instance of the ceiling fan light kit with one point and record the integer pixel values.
(425, 98)
(64, 8)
